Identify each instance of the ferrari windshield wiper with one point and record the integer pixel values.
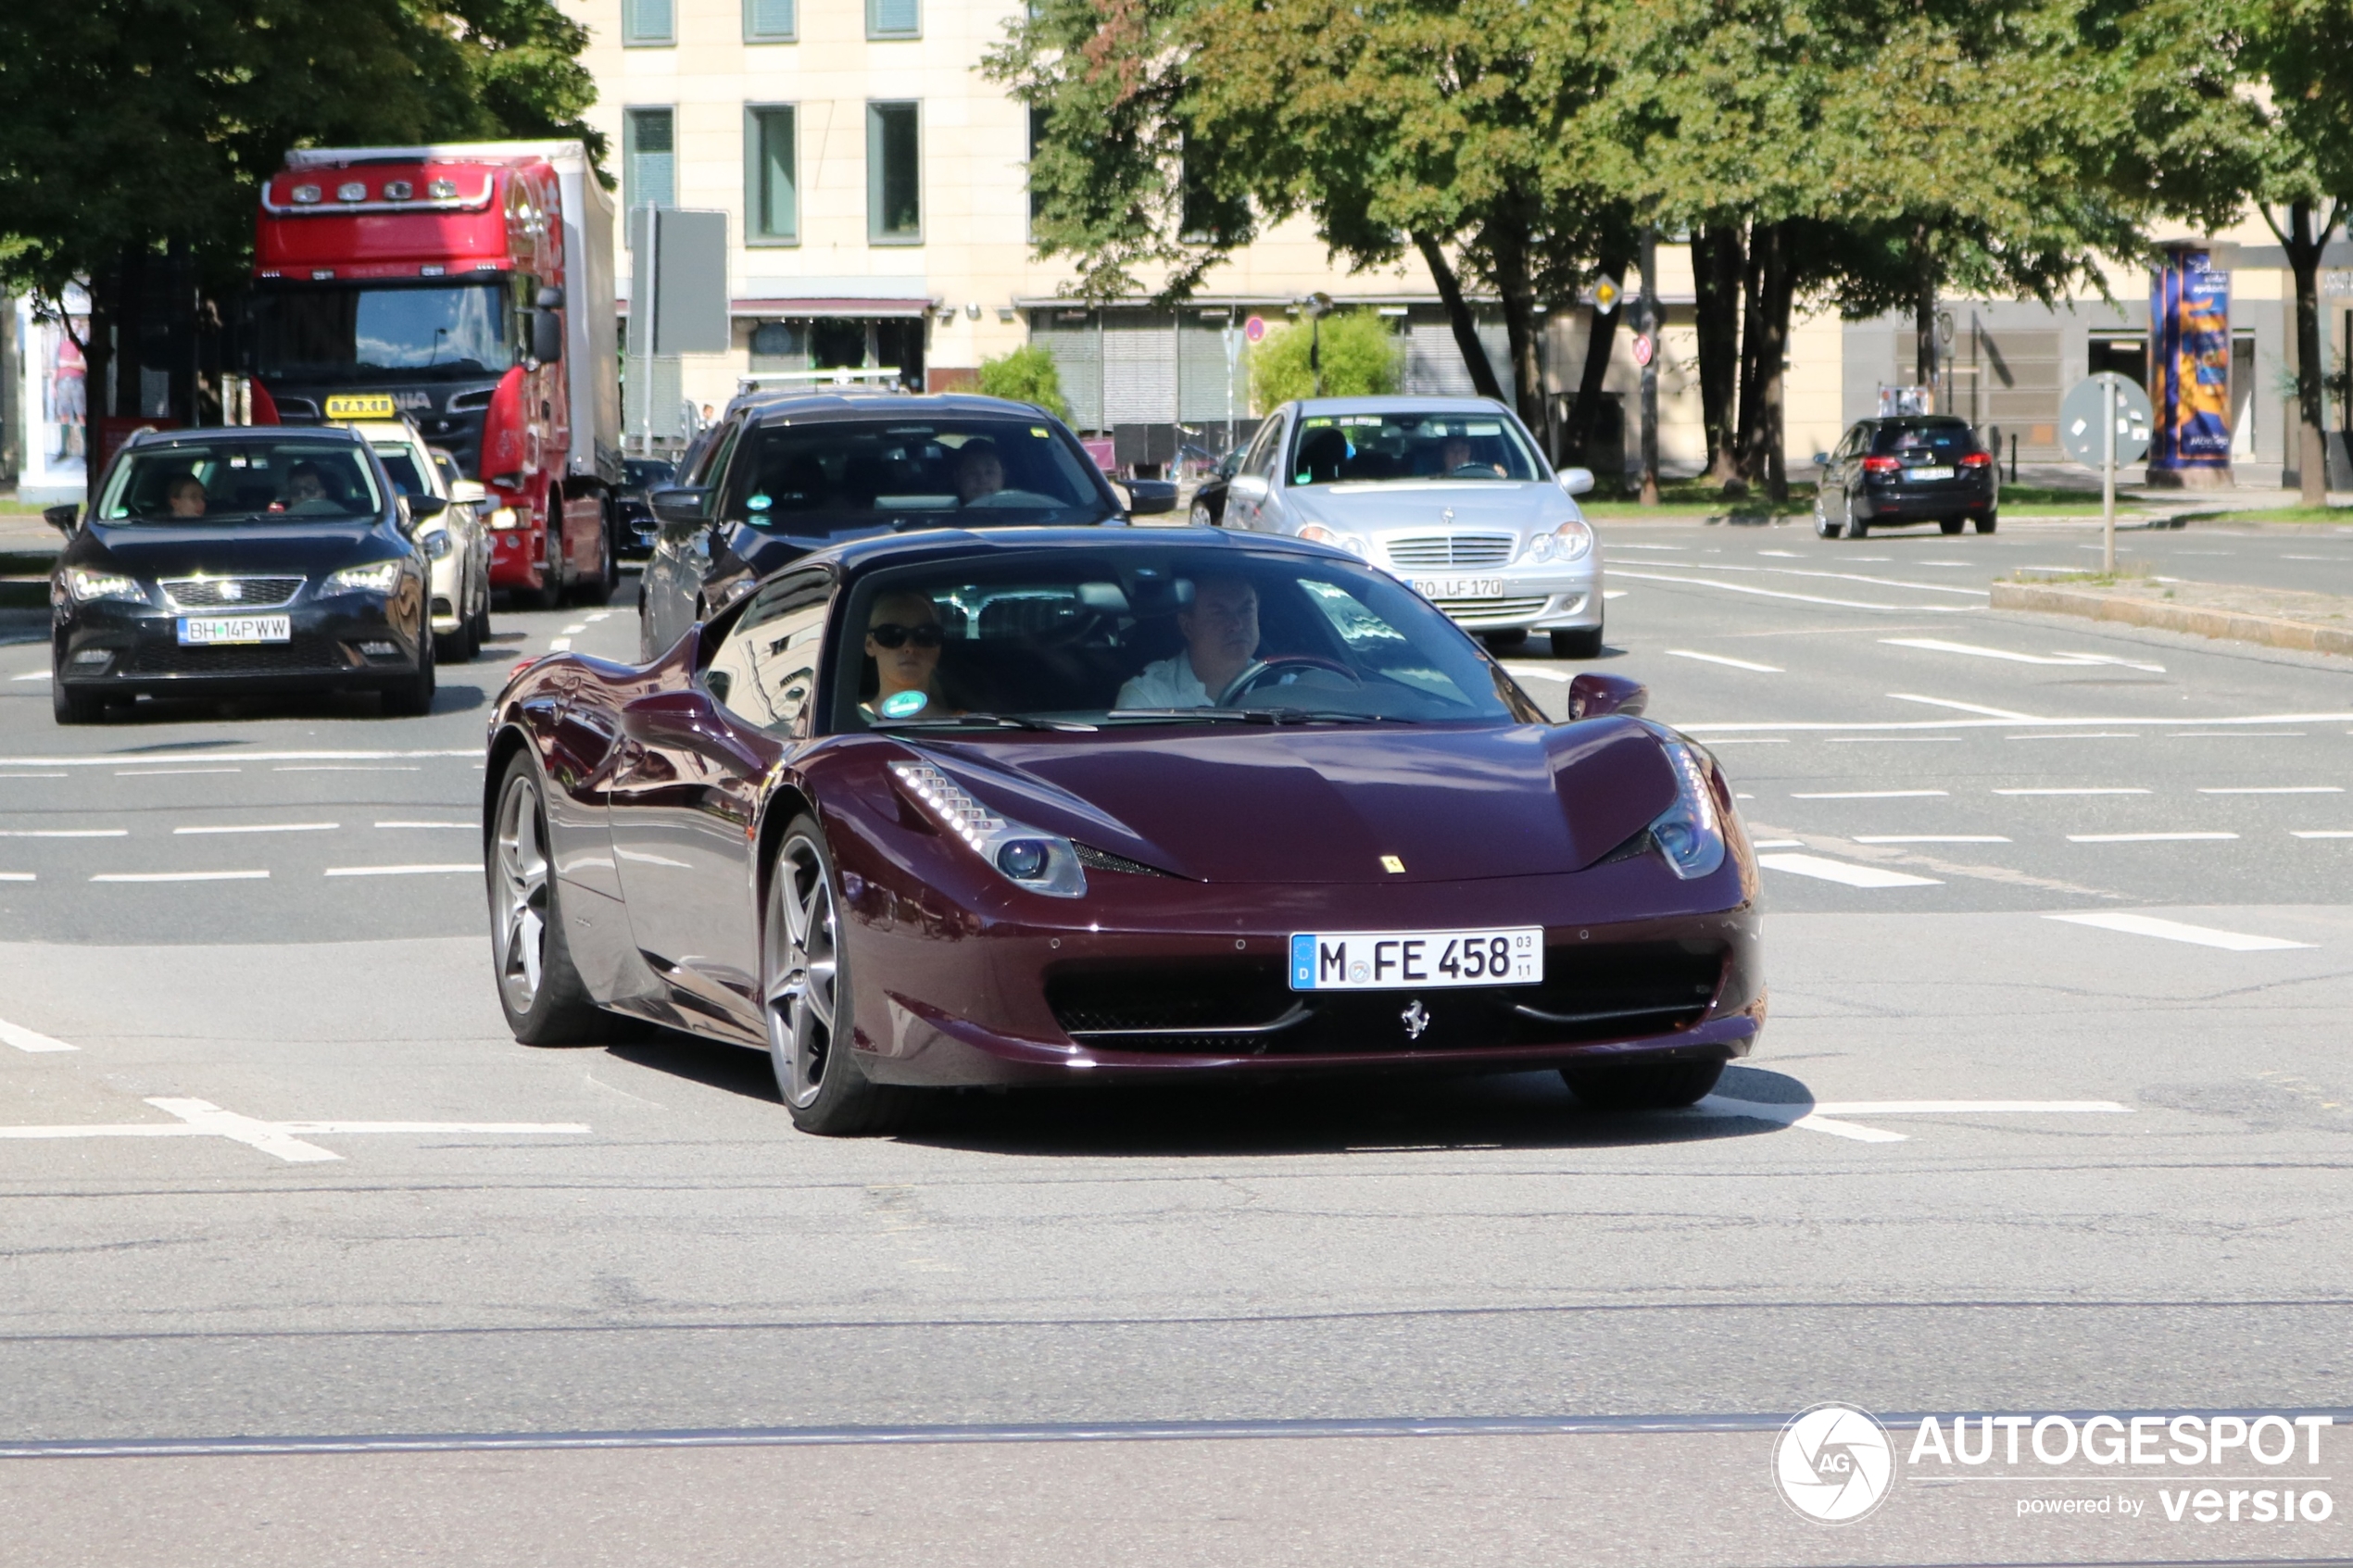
(1003, 720)
(1254, 715)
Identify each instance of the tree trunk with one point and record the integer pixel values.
(1766, 277)
(1924, 316)
(1648, 321)
(1601, 342)
(1720, 255)
(1780, 295)
(1458, 315)
(2304, 249)
(97, 371)
(1507, 242)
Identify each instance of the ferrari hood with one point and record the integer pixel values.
(1312, 805)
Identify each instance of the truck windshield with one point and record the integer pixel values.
(346, 333)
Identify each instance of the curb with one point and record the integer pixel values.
(2270, 631)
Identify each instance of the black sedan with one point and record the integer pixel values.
(632, 513)
(224, 562)
(786, 475)
(1920, 468)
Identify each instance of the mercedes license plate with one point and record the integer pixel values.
(1931, 473)
(216, 631)
(1459, 587)
(1400, 960)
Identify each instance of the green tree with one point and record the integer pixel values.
(1026, 375)
(1360, 358)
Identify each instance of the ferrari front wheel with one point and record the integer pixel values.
(804, 989)
(1658, 1085)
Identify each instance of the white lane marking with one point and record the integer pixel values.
(558, 645)
(2175, 930)
(170, 772)
(117, 760)
(36, 676)
(263, 827)
(2080, 735)
(1935, 644)
(1825, 1116)
(1785, 555)
(1944, 563)
(1845, 576)
(1800, 599)
(2274, 789)
(24, 1039)
(428, 825)
(1538, 675)
(15, 876)
(1720, 658)
(2111, 659)
(398, 870)
(1998, 724)
(183, 876)
(600, 615)
(1962, 707)
(1613, 592)
(2082, 789)
(67, 832)
(1880, 740)
(1652, 548)
(1930, 838)
(2145, 837)
(2322, 832)
(347, 768)
(1778, 844)
(575, 629)
(1844, 872)
(1871, 795)
(202, 1119)
(1749, 740)
(11, 778)
(2235, 735)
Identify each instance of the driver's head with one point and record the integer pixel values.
(979, 470)
(186, 496)
(1453, 454)
(305, 483)
(1220, 626)
(903, 638)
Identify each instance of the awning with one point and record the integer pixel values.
(862, 309)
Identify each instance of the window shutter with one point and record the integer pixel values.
(768, 21)
(894, 17)
(647, 22)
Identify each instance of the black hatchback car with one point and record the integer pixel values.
(224, 562)
(789, 473)
(1919, 467)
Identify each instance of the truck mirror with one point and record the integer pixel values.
(546, 336)
(549, 298)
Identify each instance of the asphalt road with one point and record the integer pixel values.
(2053, 1115)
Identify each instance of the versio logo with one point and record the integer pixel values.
(1834, 1463)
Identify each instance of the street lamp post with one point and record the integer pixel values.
(1315, 307)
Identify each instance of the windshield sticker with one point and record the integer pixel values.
(759, 503)
(903, 705)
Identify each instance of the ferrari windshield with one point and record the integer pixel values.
(1405, 445)
(1143, 637)
(842, 477)
(263, 481)
(346, 332)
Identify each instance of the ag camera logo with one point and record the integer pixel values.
(1834, 1463)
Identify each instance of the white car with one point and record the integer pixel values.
(455, 539)
(1448, 493)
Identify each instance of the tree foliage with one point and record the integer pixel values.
(1360, 358)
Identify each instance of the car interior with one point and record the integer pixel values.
(821, 478)
(1344, 449)
(244, 480)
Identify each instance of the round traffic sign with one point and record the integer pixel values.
(2085, 405)
(1642, 349)
(1256, 328)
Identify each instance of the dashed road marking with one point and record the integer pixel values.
(1720, 658)
(347, 768)
(2274, 789)
(2176, 931)
(1828, 1116)
(183, 876)
(170, 772)
(34, 675)
(66, 833)
(401, 870)
(117, 760)
(259, 827)
(283, 1140)
(558, 645)
(2322, 832)
(464, 826)
(2145, 837)
(2093, 789)
(1800, 599)
(1778, 844)
(1871, 795)
(1977, 707)
(1844, 872)
(15, 876)
(1930, 838)
(25, 1039)
(1936, 645)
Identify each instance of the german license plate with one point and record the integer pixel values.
(1931, 473)
(1459, 587)
(1402, 961)
(216, 631)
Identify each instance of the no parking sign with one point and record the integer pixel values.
(1256, 328)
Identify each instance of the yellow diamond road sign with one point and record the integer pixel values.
(360, 405)
(1604, 296)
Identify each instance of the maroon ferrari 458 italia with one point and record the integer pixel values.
(1035, 805)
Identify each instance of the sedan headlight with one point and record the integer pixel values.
(1353, 543)
(1572, 540)
(1042, 863)
(436, 544)
(376, 577)
(1689, 833)
(87, 585)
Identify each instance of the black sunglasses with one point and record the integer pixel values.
(889, 636)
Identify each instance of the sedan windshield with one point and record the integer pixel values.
(837, 477)
(1406, 445)
(1144, 638)
(342, 332)
(262, 482)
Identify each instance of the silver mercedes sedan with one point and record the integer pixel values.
(1450, 494)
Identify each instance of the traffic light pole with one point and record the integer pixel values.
(2108, 476)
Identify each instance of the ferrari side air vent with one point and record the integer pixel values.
(1096, 860)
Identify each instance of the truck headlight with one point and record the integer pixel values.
(505, 520)
(376, 577)
(87, 585)
(1572, 540)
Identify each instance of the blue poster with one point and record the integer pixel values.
(2190, 364)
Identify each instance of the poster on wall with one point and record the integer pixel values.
(2190, 369)
(55, 400)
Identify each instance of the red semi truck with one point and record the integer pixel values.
(468, 287)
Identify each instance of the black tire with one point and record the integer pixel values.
(1504, 642)
(1578, 644)
(596, 589)
(1950, 524)
(71, 706)
(1855, 527)
(1985, 524)
(413, 699)
(482, 619)
(1823, 527)
(1658, 1085)
(805, 997)
(1199, 517)
(545, 1001)
(549, 594)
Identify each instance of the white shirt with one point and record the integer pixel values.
(1167, 682)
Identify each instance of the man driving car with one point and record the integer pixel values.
(1220, 629)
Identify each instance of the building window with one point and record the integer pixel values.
(779, 345)
(894, 174)
(649, 163)
(772, 187)
(646, 24)
(1038, 116)
(768, 21)
(894, 19)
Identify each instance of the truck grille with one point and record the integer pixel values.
(1452, 549)
(231, 593)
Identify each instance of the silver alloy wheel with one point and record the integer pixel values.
(798, 969)
(522, 863)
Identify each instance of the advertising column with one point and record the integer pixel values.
(55, 402)
(2189, 373)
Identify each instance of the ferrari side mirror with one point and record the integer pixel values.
(1592, 696)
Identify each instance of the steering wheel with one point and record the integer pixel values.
(1471, 470)
(1256, 673)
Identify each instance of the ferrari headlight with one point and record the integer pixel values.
(87, 585)
(1351, 542)
(1042, 863)
(1572, 540)
(1689, 833)
(376, 577)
